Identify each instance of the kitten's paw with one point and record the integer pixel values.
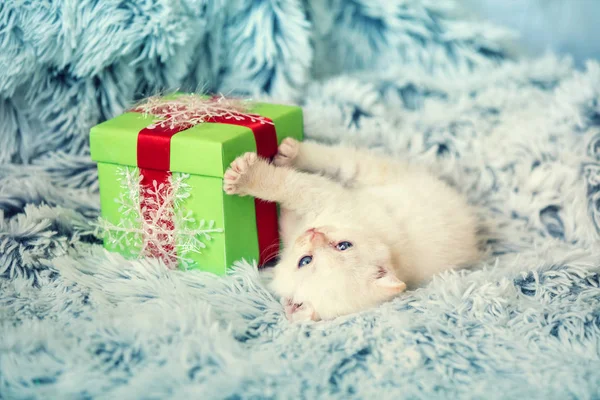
(234, 178)
(298, 312)
(287, 152)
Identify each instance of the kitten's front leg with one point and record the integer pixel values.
(348, 165)
(287, 153)
(306, 156)
(254, 176)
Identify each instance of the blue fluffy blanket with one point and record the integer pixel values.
(418, 79)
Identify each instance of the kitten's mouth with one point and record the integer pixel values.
(293, 306)
(296, 306)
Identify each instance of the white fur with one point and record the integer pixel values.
(405, 225)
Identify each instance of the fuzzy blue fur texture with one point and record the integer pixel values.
(413, 78)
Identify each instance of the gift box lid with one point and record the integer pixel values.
(204, 149)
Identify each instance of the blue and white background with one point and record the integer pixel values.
(501, 97)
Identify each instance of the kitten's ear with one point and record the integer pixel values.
(386, 279)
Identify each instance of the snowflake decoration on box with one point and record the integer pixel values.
(191, 109)
(159, 226)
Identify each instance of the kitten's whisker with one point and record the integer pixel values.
(271, 257)
(270, 247)
(268, 250)
(274, 256)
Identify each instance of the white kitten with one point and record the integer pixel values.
(357, 228)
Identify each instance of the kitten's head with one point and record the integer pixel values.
(335, 271)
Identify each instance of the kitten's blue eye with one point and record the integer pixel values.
(343, 246)
(305, 261)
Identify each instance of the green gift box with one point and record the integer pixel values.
(160, 171)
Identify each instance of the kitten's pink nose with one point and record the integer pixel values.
(316, 237)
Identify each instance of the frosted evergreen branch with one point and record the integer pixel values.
(153, 222)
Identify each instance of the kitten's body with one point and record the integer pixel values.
(404, 225)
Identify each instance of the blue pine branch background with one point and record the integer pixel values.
(499, 97)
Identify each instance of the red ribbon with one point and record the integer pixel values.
(267, 227)
(154, 159)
